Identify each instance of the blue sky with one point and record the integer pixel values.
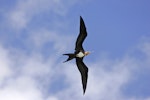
(35, 33)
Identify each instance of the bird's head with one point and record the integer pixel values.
(86, 53)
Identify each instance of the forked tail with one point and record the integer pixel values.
(70, 56)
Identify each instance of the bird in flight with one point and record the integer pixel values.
(80, 53)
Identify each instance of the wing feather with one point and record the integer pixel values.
(84, 72)
(82, 35)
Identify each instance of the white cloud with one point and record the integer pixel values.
(33, 76)
(146, 49)
(25, 10)
(4, 64)
(104, 83)
(30, 75)
(43, 36)
(22, 88)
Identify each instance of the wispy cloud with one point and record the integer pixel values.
(39, 39)
(4, 65)
(28, 77)
(25, 10)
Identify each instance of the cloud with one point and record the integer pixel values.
(25, 10)
(34, 75)
(4, 65)
(26, 77)
(20, 89)
(31, 76)
(102, 84)
(59, 42)
(108, 83)
(146, 49)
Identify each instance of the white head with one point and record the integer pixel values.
(86, 53)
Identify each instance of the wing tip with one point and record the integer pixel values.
(81, 18)
(84, 92)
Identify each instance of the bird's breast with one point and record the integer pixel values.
(80, 55)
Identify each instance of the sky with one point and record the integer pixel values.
(35, 33)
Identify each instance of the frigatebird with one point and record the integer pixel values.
(80, 53)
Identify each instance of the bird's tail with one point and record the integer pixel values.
(70, 56)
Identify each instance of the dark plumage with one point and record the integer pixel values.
(81, 37)
(79, 54)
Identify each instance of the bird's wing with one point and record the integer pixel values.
(81, 37)
(84, 72)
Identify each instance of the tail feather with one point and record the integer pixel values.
(70, 56)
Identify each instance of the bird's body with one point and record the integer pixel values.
(79, 54)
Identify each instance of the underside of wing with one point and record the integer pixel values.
(84, 72)
(82, 35)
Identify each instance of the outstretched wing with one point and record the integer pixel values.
(84, 72)
(81, 37)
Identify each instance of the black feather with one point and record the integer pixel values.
(84, 72)
(82, 35)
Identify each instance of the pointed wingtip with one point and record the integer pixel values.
(81, 18)
(84, 89)
(83, 92)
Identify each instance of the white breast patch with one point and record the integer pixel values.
(80, 55)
